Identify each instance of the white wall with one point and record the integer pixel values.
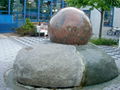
(95, 20)
(116, 21)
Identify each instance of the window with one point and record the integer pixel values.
(87, 12)
(108, 18)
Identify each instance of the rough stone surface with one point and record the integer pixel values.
(58, 65)
(99, 67)
(11, 47)
(70, 26)
(49, 65)
(12, 83)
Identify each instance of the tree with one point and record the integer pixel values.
(4, 4)
(100, 5)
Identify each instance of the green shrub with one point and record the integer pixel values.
(27, 29)
(104, 41)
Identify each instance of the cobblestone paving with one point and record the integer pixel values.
(28, 41)
(10, 46)
(8, 51)
(113, 87)
(112, 51)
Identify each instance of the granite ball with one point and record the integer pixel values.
(70, 26)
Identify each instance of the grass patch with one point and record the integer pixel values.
(104, 41)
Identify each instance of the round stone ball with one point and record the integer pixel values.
(70, 26)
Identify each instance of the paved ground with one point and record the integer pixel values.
(8, 51)
(9, 46)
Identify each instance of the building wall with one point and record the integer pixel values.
(116, 21)
(95, 20)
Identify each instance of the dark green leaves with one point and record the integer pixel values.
(98, 4)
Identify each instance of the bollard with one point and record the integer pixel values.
(119, 43)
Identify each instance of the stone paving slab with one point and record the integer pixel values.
(2, 36)
(8, 51)
(110, 85)
(112, 51)
(10, 46)
(28, 41)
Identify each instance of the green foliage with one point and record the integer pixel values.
(104, 41)
(4, 4)
(98, 4)
(27, 29)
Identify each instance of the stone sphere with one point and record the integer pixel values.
(70, 26)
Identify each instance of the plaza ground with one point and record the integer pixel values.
(10, 44)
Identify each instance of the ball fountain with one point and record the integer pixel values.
(66, 61)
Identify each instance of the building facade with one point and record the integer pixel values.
(111, 19)
(15, 12)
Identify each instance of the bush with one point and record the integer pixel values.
(104, 41)
(27, 29)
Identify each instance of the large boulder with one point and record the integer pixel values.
(70, 26)
(99, 66)
(57, 65)
(49, 65)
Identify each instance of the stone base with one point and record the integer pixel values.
(13, 85)
(58, 65)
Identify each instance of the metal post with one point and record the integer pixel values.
(9, 6)
(56, 3)
(38, 17)
(63, 4)
(51, 7)
(112, 15)
(24, 10)
(17, 17)
(119, 42)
